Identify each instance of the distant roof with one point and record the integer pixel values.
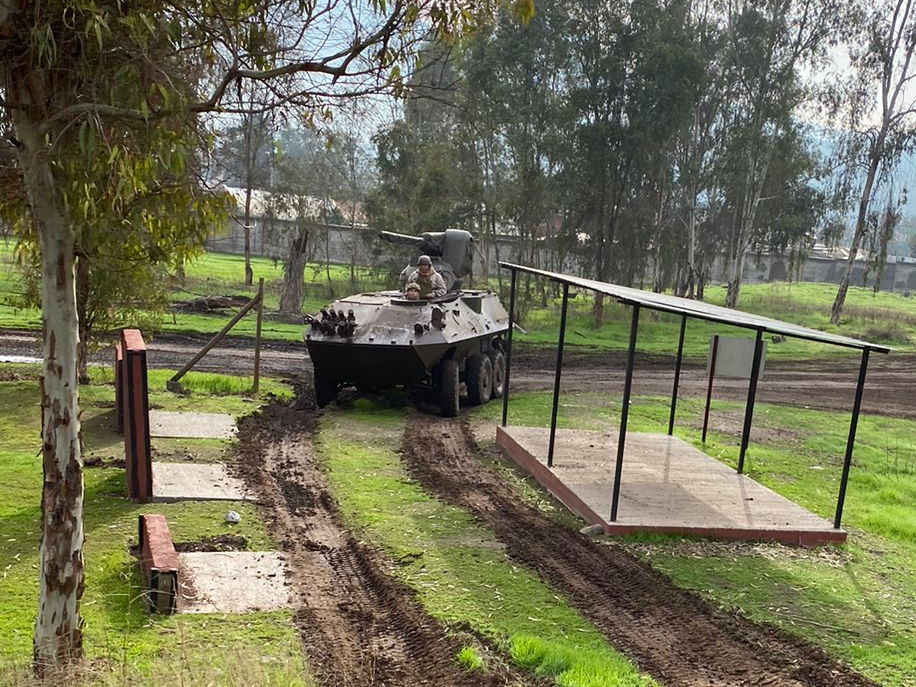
(700, 310)
(288, 207)
(821, 250)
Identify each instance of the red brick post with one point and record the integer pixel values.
(158, 563)
(119, 394)
(135, 416)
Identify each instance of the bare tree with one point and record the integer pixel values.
(769, 41)
(881, 110)
(256, 137)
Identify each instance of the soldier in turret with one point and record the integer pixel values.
(412, 291)
(431, 283)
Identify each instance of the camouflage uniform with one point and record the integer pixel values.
(431, 286)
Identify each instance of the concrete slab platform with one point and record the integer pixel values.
(232, 582)
(164, 423)
(667, 486)
(197, 482)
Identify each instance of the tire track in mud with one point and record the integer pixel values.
(668, 632)
(358, 626)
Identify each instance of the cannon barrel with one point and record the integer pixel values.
(394, 237)
(429, 243)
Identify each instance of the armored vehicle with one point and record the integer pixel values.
(383, 340)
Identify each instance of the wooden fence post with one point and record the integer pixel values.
(257, 338)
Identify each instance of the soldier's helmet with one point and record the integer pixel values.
(412, 286)
(424, 260)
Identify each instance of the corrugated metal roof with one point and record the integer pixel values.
(700, 310)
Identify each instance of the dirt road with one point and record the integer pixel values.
(668, 632)
(233, 355)
(824, 384)
(359, 627)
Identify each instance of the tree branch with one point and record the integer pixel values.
(322, 66)
(90, 108)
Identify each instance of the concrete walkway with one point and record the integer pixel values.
(197, 482)
(232, 582)
(191, 425)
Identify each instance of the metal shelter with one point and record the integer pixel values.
(686, 308)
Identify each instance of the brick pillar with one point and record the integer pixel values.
(135, 416)
(119, 394)
(159, 563)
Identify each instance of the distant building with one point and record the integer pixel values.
(340, 234)
(275, 219)
(825, 265)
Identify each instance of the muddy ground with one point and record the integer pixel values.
(668, 632)
(358, 625)
(824, 384)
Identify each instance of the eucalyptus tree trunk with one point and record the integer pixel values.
(690, 284)
(293, 268)
(249, 275)
(250, 151)
(354, 247)
(58, 629)
(864, 200)
(754, 181)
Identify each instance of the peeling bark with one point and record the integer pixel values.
(249, 183)
(58, 628)
(753, 189)
(836, 309)
(249, 274)
(293, 269)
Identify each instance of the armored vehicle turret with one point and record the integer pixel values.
(383, 340)
(451, 252)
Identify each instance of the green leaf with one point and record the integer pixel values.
(148, 23)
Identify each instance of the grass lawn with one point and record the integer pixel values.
(888, 318)
(210, 274)
(456, 566)
(124, 643)
(857, 601)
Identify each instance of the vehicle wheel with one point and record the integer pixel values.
(498, 362)
(448, 388)
(478, 377)
(325, 389)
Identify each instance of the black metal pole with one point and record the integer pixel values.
(509, 345)
(625, 411)
(556, 381)
(712, 376)
(850, 442)
(677, 374)
(751, 396)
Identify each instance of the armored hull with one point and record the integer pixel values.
(382, 340)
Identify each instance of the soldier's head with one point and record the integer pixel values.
(424, 265)
(412, 291)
